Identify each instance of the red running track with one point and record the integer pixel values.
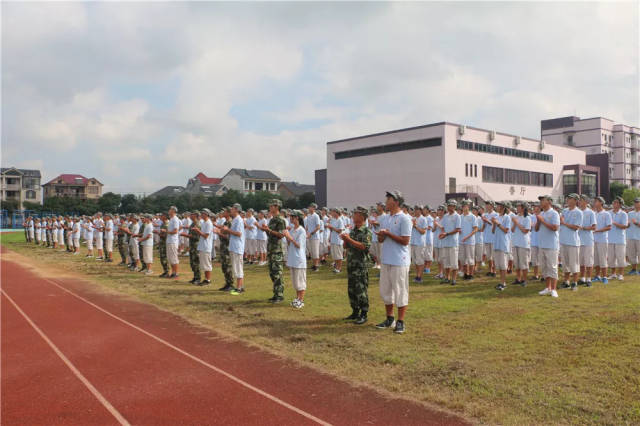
(72, 356)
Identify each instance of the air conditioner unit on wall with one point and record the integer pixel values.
(462, 129)
(492, 135)
(516, 140)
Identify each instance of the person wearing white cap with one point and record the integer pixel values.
(251, 246)
(547, 226)
(146, 242)
(173, 228)
(205, 245)
(570, 223)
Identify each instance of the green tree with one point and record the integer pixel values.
(629, 195)
(129, 204)
(616, 189)
(109, 202)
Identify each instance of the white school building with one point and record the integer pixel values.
(445, 160)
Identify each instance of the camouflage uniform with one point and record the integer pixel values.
(225, 260)
(275, 255)
(358, 269)
(123, 247)
(162, 246)
(194, 260)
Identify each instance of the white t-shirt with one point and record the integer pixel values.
(393, 253)
(108, 230)
(296, 256)
(148, 230)
(206, 244)
(174, 225)
(135, 229)
(99, 224)
(261, 235)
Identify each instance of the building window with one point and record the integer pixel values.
(519, 177)
(475, 170)
(93, 190)
(511, 152)
(570, 141)
(589, 184)
(466, 169)
(258, 186)
(492, 174)
(247, 185)
(384, 149)
(31, 194)
(570, 184)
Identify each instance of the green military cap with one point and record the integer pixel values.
(584, 197)
(557, 206)
(250, 210)
(466, 202)
(237, 206)
(174, 208)
(501, 203)
(619, 199)
(314, 205)
(490, 203)
(380, 203)
(276, 202)
(452, 202)
(186, 214)
(474, 207)
(426, 207)
(362, 210)
(418, 207)
(396, 195)
(636, 200)
(196, 212)
(441, 207)
(545, 197)
(573, 196)
(207, 212)
(523, 204)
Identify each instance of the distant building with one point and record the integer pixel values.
(168, 191)
(70, 185)
(321, 187)
(294, 189)
(247, 181)
(21, 185)
(208, 186)
(599, 135)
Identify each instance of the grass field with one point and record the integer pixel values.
(510, 358)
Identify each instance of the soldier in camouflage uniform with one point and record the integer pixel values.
(123, 243)
(162, 244)
(194, 237)
(225, 258)
(275, 254)
(357, 244)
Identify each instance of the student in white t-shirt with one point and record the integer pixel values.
(146, 242)
(108, 237)
(395, 234)
(205, 245)
(261, 239)
(296, 257)
(173, 229)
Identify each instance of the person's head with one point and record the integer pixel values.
(274, 207)
(417, 210)
(466, 204)
(360, 215)
(296, 218)
(545, 202)
(206, 214)
(617, 203)
(380, 207)
(250, 212)
(451, 206)
(475, 210)
(636, 204)
(312, 208)
(489, 206)
(235, 209)
(598, 203)
(523, 208)
(572, 200)
(501, 207)
(394, 201)
(173, 210)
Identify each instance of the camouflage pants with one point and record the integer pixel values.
(275, 273)
(194, 260)
(357, 286)
(123, 249)
(162, 251)
(225, 265)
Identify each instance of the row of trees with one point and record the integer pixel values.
(129, 203)
(617, 189)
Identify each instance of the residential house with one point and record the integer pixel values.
(247, 181)
(20, 185)
(72, 185)
(168, 191)
(294, 189)
(208, 186)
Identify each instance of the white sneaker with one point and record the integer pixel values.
(544, 292)
(149, 273)
(620, 278)
(482, 264)
(554, 293)
(460, 274)
(613, 277)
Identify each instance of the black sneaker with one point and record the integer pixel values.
(565, 285)
(543, 279)
(399, 327)
(173, 276)
(453, 282)
(361, 319)
(196, 282)
(588, 284)
(354, 315)
(205, 282)
(163, 275)
(445, 281)
(516, 282)
(388, 323)
(192, 280)
(314, 268)
(523, 283)
(574, 286)
(225, 288)
(501, 287)
(276, 299)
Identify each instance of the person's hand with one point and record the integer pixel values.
(308, 234)
(343, 237)
(383, 232)
(539, 217)
(494, 220)
(442, 236)
(562, 220)
(515, 220)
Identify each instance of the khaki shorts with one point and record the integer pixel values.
(373, 250)
(586, 256)
(633, 251)
(251, 247)
(394, 285)
(500, 260)
(600, 252)
(147, 254)
(478, 252)
(417, 255)
(99, 243)
(76, 242)
(299, 278)
(570, 258)
(521, 257)
(616, 254)
(428, 253)
(236, 265)
(549, 263)
(90, 244)
(172, 254)
(262, 246)
(488, 250)
(314, 248)
(134, 250)
(467, 254)
(336, 252)
(437, 254)
(449, 257)
(535, 256)
(205, 261)
(108, 245)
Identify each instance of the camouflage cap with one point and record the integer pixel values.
(501, 203)
(490, 203)
(545, 197)
(275, 202)
(636, 200)
(195, 212)
(466, 202)
(237, 206)
(207, 212)
(396, 195)
(441, 207)
(573, 196)
(584, 197)
(452, 202)
(314, 205)
(174, 208)
(427, 207)
(418, 207)
(619, 199)
(362, 210)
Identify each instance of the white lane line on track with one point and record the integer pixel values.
(195, 358)
(69, 364)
